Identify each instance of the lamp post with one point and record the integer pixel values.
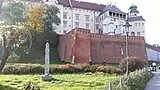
(127, 26)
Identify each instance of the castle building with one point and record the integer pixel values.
(99, 18)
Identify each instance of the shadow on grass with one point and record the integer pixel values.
(2, 87)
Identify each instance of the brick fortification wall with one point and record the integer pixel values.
(99, 48)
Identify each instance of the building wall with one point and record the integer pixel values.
(138, 26)
(71, 14)
(102, 47)
(112, 24)
(153, 55)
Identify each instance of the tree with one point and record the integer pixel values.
(16, 36)
(35, 16)
(50, 20)
(12, 38)
(13, 13)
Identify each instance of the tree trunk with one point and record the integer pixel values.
(7, 50)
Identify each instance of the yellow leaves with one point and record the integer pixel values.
(35, 16)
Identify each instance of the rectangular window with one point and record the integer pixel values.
(138, 34)
(97, 26)
(87, 25)
(110, 13)
(97, 19)
(77, 16)
(65, 15)
(87, 17)
(64, 23)
(77, 24)
(139, 24)
(135, 24)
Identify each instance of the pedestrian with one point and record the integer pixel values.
(154, 66)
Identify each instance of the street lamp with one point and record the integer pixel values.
(127, 26)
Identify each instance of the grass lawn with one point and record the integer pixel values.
(85, 81)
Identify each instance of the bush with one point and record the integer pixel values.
(13, 58)
(135, 81)
(138, 82)
(67, 68)
(134, 63)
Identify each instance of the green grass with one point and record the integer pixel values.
(86, 81)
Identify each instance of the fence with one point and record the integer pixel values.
(120, 83)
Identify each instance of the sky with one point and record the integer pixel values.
(149, 9)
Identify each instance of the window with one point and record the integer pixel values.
(64, 23)
(138, 34)
(97, 19)
(110, 13)
(64, 31)
(135, 24)
(117, 15)
(97, 26)
(116, 26)
(114, 19)
(120, 15)
(124, 16)
(142, 24)
(77, 16)
(87, 25)
(87, 17)
(65, 15)
(139, 24)
(77, 24)
(114, 14)
(132, 34)
(100, 31)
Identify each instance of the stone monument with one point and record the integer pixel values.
(46, 76)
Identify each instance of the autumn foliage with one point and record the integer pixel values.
(35, 16)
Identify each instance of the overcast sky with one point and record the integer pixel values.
(149, 9)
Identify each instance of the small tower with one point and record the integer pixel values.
(137, 22)
(133, 11)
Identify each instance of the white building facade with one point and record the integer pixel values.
(104, 19)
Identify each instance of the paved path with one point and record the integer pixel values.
(154, 83)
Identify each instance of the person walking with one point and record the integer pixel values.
(154, 66)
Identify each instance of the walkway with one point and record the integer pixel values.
(154, 83)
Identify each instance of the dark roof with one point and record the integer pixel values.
(152, 47)
(133, 6)
(112, 8)
(134, 11)
(136, 18)
(81, 4)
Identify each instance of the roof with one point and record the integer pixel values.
(81, 4)
(133, 6)
(153, 47)
(134, 11)
(136, 18)
(112, 8)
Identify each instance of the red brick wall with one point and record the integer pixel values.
(99, 47)
(66, 47)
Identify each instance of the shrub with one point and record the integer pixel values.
(23, 69)
(13, 58)
(134, 63)
(67, 68)
(138, 82)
